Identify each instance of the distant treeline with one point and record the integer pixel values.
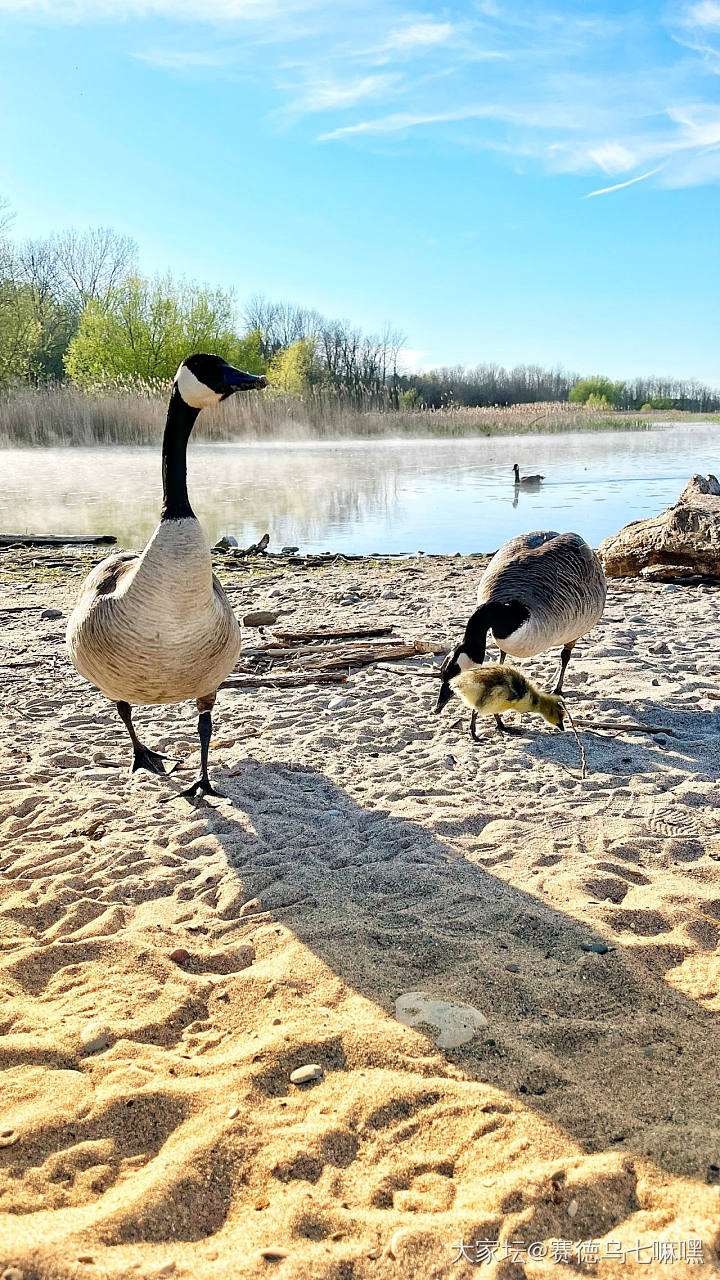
(490, 384)
(75, 308)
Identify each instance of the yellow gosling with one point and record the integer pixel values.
(495, 688)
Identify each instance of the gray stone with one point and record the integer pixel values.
(262, 618)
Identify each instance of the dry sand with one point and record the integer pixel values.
(365, 851)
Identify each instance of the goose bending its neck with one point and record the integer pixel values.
(157, 627)
(540, 590)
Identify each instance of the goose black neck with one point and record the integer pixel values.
(476, 635)
(180, 422)
(502, 618)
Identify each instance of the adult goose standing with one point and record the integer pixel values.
(157, 627)
(526, 482)
(539, 590)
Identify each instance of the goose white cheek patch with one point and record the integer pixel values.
(465, 662)
(193, 391)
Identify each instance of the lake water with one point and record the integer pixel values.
(390, 495)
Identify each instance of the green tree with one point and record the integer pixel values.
(20, 332)
(598, 387)
(247, 353)
(147, 327)
(291, 370)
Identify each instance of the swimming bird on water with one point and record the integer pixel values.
(492, 689)
(526, 482)
(539, 590)
(157, 627)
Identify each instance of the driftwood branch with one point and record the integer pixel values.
(428, 673)
(624, 728)
(56, 540)
(283, 679)
(353, 633)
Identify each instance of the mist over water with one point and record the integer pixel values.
(356, 496)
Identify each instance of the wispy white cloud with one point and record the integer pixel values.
(618, 186)
(416, 36)
(402, 121)
(185, 59)
(205, 11)
(629, 95)
(704, 14)
(338, 95)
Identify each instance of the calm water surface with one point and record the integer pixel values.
(408, 495)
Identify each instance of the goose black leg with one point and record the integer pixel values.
(506, 728)
(473, 722)
(203, 785)
(143, 757)
(564, 659)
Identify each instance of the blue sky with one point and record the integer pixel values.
(503, 182)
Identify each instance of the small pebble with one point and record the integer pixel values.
(397, 1241)
(94, 1036)
(86, 1257)
(8, 1138)
(600, 948)
(303, 1075)
(288, 551)
(339, 701)
(233, 1113)
(51, 613)
(179, 955)
(572, 1208)
(274, 1253)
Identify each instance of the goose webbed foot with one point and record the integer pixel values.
(144, 758)
(202, 787)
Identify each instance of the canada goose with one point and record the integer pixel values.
(526, 482)
(495, 688)
(157, 627)
(539, 590)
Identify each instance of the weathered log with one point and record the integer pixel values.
(684, 539)
(56, 540)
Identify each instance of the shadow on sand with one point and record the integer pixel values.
(600, 1044)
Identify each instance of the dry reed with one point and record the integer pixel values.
(66, 415)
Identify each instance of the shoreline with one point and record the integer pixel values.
(366, 853)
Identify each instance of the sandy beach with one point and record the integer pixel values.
(165, 965)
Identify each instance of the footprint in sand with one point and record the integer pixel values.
(456, 1023)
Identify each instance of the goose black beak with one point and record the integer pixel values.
(444, 696)
(238, 380)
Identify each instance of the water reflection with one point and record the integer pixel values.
(450, 495)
